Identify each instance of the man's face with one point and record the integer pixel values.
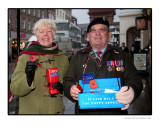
(123, 44)
(98, 36)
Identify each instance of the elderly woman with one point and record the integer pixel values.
(29, 80)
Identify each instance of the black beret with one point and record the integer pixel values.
(100, 20)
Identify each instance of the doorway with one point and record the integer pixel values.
(132, 34)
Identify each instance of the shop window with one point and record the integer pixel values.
(29, 25)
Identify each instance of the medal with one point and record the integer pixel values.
(109, 68)
(122, 68)
(117, 63)
(118, 68)
(113, 65)
(109, 65)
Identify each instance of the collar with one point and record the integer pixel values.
(101, 51)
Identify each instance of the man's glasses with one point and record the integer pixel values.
(100, 30)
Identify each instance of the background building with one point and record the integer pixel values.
(27, 19)
(52, 14)
(107, 13)
(68, 15)
(114, 29)
(83, 28)
(68, 35)
(60, 14)
(130, 34)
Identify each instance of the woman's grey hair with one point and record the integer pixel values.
(44, 22)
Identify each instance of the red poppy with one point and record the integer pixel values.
(80, 88)
(39, 64)
(33, 58)
(93, 84)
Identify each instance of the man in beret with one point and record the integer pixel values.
(88, 60)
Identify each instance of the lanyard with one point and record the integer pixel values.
(85, 66)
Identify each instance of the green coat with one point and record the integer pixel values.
(36, 99)
(129, 77)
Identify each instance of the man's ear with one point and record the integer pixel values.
(109, 36)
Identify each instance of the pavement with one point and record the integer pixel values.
(142, 106)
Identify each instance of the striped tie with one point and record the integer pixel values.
(98, 59)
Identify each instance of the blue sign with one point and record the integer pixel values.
(98, 100)
(101, 97)
(54, 74)
(87, 77)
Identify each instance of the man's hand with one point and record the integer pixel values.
(125, 96)
(74, 92)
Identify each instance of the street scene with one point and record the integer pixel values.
(131, 32)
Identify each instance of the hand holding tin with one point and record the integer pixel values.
(125, 96)
(74, 92)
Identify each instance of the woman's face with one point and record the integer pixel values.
(45, 36)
